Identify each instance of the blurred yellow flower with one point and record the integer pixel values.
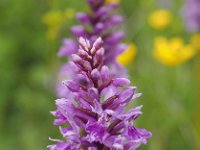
(172, 52)
(54, 20)
(111, 1)
(195, 41)
(69, 13)
(128, 55)
(160, 19)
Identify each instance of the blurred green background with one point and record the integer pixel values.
(29, 65)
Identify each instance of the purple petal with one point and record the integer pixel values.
(104, 10)
(96, 132)
(118, 82)
(71, 85)
(115, 38)
(79, 31)
(69, 47)
(137, 137)
(84, 18)
(93, 93)
(95, 74)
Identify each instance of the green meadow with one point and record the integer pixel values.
(29, 66)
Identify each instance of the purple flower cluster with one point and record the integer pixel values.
(101, 23)
(191, 14)
(91, 111)
(93, 116)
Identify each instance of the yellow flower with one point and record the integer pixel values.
(128, 55)
(69, 13)
(160, 19)
(54, 20)
(111, 1)
(172, 52)
(195, 41)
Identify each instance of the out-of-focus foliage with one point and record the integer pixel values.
(29, 65)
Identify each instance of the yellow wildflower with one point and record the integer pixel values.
(69, 13)
(111, 1)
(172, 52)
(54, 20)
(195, 41)
(128, 55)
(160, 19)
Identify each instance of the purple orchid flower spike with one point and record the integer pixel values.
(191, 14)
(102, 22)
(93, 116)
